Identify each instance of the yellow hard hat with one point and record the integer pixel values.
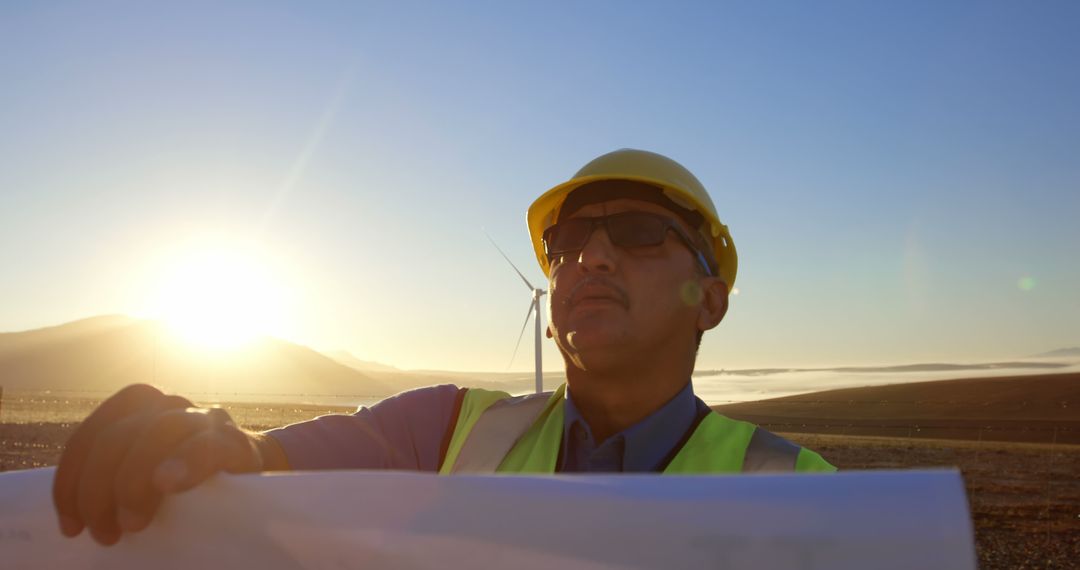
(676, 182)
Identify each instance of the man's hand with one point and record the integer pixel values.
(138, 446)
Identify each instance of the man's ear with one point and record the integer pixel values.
(714, 303)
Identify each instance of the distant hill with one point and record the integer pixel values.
(102, 354)
(348, 359)
(1011, 408)
(924, 367)
(512, 382)
(402, 380)
(14, 342)
(1059, 353)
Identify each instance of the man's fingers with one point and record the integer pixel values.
(69, 470)
(94, 497)
(82, 483)
(135, 496)
(105, 480)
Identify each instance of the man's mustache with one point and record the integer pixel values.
(596, 287)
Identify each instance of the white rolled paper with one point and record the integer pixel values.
(390, 519)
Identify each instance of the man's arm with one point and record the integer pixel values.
(405, 431)
(140, 445)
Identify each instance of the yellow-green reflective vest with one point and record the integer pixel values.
(498, 433)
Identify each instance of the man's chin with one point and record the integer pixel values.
(596, 361)
(596, 344)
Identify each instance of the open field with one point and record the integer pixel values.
(1024, 497)
(1034, 409)
(47, 408)
(1015, 439)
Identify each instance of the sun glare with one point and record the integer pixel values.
(220, 298)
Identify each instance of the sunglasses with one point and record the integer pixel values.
(627, 230)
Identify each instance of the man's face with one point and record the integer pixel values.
(607, 302)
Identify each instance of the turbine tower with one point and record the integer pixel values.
(534, 307)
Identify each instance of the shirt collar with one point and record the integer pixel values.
(648, 442)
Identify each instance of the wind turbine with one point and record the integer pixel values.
(534, 306)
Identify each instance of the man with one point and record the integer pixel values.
(639, 266)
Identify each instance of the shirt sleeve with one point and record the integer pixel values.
(405, 431)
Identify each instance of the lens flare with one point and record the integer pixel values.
(691, 293)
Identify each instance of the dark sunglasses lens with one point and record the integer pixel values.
(569, 235)
(636, 230)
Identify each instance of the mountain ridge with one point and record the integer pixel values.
(1059, 353)
(106, 354)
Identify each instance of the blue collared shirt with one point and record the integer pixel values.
(641, 447)
(410, 430)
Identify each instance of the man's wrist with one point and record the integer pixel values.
(271, 456)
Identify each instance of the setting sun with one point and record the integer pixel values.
(220, 298)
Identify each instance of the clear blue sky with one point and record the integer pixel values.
(902, 179)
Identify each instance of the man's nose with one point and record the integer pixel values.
(598, 254)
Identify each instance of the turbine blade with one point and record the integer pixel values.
(521, 334)
(508, 261)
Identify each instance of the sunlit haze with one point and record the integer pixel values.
(901, 180)
(220, 296)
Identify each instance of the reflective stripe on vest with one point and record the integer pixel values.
(505, 422)
(769, 452)
(496, 432)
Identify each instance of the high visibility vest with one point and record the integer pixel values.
(498, 433)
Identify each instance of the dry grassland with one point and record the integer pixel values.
(1024, 497)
